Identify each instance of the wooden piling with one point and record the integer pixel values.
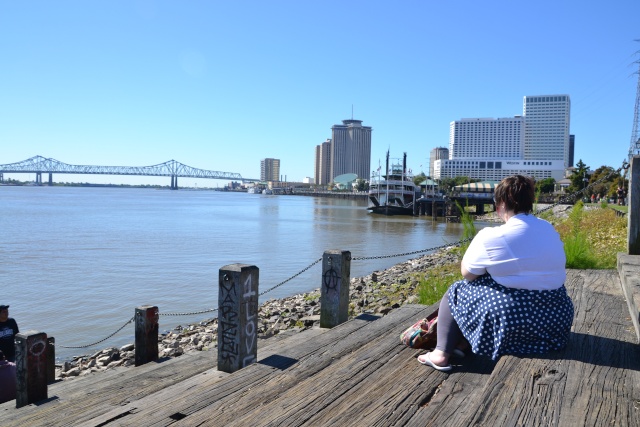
(334, 290)
(237, 316)
(633, 204)
(146, 341)
(31, 367)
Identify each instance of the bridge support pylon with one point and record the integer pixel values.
(174, 182)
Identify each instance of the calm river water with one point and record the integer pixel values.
(75, 262)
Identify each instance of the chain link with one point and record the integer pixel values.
(102, 340)
(437, 248)
(292, 277)
(209, 310)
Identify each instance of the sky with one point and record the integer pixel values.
(220, 85)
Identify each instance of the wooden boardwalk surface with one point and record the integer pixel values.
(358, 374)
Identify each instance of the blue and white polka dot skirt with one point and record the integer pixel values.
(497, 320)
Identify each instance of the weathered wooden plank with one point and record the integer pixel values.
(244, 388)
(205, 380)
(81, 398)
(629, 272)
(457, 397)
(592, 382)
(306, 395)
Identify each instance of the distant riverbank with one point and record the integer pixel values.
(362, 195)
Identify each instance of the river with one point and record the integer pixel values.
(75, 261)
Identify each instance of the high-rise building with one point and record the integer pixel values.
(323, 163)
(437, 153)
(534, 144)
(572, 146)
(486, 138)
(350, 149)
(270, 169)
(547, 127)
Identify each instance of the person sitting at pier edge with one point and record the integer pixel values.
(512, 299)
(7, 379)
(8, 331)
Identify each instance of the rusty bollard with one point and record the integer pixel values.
(31, 367)
(146, 345)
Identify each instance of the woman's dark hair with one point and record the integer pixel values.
(517, 192)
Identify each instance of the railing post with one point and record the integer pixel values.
(51, 360)
(237, 316)
(334, 290)
(633, 206)
(31, 367)
(146, 345)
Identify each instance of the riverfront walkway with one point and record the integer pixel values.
(358, 374)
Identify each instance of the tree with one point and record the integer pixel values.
(418, 179)
(447, 184)
(578, 176)
(546, 185)
(362, 185)
(607, 187)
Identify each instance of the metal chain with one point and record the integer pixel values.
(209, 310)
(295, 275)
(98, 342)
(437, 248)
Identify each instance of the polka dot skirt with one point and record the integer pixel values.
(497, 320)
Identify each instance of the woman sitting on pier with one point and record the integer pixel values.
(512, 299)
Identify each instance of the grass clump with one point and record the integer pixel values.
(592, 238)
(468, 226)
(435, 282)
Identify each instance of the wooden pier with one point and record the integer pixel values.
(358, 374)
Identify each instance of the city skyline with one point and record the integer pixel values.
(220, 86)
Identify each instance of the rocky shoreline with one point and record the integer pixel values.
(377, 293)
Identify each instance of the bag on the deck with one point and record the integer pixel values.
(422, 334)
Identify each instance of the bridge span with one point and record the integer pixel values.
(173, 169)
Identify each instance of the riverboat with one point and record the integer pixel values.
(393, 193)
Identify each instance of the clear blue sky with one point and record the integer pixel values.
(220, 85)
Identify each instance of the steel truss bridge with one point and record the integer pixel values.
(171, 168)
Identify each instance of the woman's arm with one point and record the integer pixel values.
(465, 273)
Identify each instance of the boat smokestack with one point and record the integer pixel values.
(387, 165)
(404, 163)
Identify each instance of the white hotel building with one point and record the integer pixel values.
(534, 144)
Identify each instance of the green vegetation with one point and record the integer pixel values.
(469, 227)
(434, 283)
(593, 238)
(576, 247)
(419, 179)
